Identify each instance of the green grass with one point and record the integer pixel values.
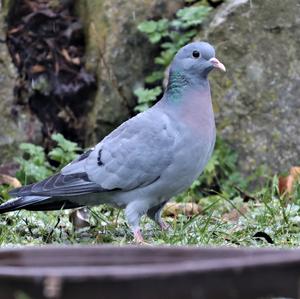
(228, 217)
(268, 213)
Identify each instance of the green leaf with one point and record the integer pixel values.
(193, 15)
(65, 151)
(33, 166)
(165, 57)
(34, 152)
(154, 77)
(146, 97)
(147, 26)
(65, 144)
(155, 37)
(155, 30)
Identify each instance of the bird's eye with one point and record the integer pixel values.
(196, 54)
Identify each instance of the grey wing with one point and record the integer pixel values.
(132, 156)
(59, 185)
(72, 184)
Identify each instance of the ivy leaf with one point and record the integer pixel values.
(66, 150)
(146, 97)
(155, 30)
(33, 164)
(154, 77)
(147, 26)
(193, 15)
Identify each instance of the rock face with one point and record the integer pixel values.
(16, 122)
(118, 54)
(257, 103)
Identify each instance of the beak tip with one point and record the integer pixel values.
(217, 64)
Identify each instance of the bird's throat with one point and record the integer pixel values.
(177, 84)
(189, 101)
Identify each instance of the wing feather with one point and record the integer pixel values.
(133, 156)
(59, 185)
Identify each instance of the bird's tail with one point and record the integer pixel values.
(20, 203)
(37, 203)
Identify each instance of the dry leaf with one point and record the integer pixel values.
(234, 215)
(66, 55)
(15, 30)
(38, 68)
(76, 60)
(173, 209)
(80, 218)
(17, 59)
(286, 184)
(9, 180)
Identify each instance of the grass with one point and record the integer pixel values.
(227, 217)
(266, 220)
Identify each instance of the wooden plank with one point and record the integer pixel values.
(149, 272)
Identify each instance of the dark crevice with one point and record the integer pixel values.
(47, 46)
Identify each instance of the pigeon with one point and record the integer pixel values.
(148, 159)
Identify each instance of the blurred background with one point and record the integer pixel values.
(71, 71)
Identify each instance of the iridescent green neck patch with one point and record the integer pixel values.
(176, 86)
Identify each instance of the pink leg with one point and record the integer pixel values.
(138, 237)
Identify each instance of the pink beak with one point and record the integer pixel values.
(217, 64)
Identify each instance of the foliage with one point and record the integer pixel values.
(65, 151)
(146, 97)
(228, 217)
(220, 174)
(155, 30)
(172, 35)
(191, 16)
(4, 192)
(34, 165)
(221, 170)
(267, 220)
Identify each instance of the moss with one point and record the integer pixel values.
(96, 29)
(255, 101)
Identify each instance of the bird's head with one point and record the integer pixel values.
(195, 61)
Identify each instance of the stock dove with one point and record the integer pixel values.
(147, 159)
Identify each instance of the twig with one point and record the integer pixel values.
(52, 231)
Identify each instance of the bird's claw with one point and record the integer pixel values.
(138, 237)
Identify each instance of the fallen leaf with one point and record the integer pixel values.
(9, 180)
(38, 68)
(76, 60)
(15, 30)
(173, 209)
(235, 214)
(80, 218)
(66, 55)
(286, 184)
(17, 59)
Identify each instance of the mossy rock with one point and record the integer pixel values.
(16, 122)
(257, 102)
(119, 55)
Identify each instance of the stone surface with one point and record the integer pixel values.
(16, 122)
(118, 54)
(257, 103)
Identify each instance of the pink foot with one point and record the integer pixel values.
(138, 238)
